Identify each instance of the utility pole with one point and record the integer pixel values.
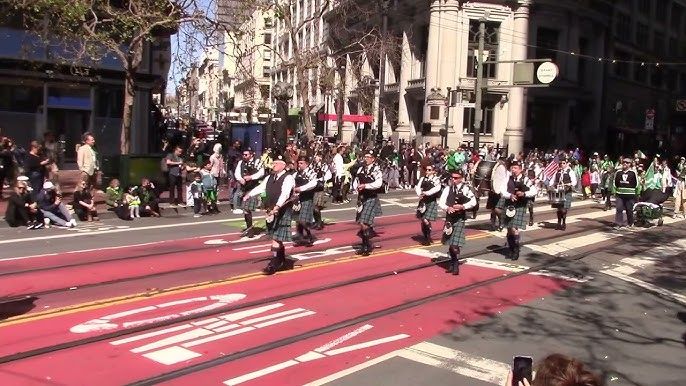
(448, 104)
(382, 69)
(478, 113)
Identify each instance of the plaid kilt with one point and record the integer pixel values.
(281, 230)
(320, 199)
(306, 212)
(431, 212)
(251, 204)
(518, 221)
(457, 236)
(367, 210)
(501, 203)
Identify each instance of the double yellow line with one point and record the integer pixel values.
(196, 286)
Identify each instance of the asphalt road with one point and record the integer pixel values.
(614, 299)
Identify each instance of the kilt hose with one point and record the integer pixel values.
(456, 236)
(518, 221)
(281, 228)
(430, 212)
(306, 212)
(320, 199)
(367, 209)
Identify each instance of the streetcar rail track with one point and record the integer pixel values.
(152, 326)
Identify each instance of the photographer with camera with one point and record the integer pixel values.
(52, 207)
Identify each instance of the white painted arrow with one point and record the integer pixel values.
(287, 245)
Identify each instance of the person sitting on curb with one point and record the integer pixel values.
(52, 208)
(114, 198)
(150, 200)
(21, 210)
(84, 204)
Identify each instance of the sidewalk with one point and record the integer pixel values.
(68, 179)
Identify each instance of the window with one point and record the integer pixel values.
(547, 41)
(621, 69)
(659, 43)
(267, 55)
(24, 99)
(109, 102)
(266, 71)
(268, 22)
(492, 32)
(642, 35)
(644, 7)
(623, 27)
(486, 124)
(267, 38)
(677, 12)
(661, 10)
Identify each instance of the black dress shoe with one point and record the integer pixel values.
(531, 223)
(269, 269)
(564, 227)
(456, 270)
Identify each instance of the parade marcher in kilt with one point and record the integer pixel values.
(369, 180)
(248, 173)
(564, 180)
(428, 189)
(323, 176)
(278, 188)
(456, 199)
(519, 191)
(305, 183)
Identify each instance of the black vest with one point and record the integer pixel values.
(366, 176)
(428, 184)
(517, 186)
(273, 189)
(565, 178)
(455, 196)
(247, 169)
(302, 178)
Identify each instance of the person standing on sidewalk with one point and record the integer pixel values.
(218, 171)
(87, 160)
(174, 163)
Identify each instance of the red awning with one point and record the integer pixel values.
(346, 118)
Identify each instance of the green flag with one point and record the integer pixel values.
(650, 181)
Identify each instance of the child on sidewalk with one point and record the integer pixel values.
(209, 183)
(197, 194)
(134, 201)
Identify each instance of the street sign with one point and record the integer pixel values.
(547, 72)
(681, 105)
(650, 113)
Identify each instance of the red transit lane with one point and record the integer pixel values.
(236, 250)
(133, 357)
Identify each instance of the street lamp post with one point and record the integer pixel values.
(382, 68)
(283, 92)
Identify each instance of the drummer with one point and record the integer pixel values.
(428, 190)
(563, 181)
(516, 196)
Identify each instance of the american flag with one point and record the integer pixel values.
(550, 170)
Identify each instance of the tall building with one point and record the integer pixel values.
(39, 95)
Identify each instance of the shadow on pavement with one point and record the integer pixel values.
(16, 307)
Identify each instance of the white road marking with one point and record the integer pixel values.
(171, 355)
(566, 245)
(215, 242)
(434, 355)
(318, 353)
(290, 245)
(630, 265)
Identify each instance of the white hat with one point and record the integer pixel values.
(47, 185)
(22, 178)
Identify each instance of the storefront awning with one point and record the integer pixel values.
(346, 118)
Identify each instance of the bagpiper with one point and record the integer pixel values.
(305, 183)
(563, 181)
(248, 173)
(278, 203)
(519, 191)
(428, 189)
(324, 175)
(455, 199)
(368, 180)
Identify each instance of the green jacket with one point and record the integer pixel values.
(113, 195)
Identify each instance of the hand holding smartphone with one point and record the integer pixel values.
(522, 368)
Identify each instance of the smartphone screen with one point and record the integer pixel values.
(521, 369)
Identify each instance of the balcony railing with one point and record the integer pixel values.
(392, 88)
(415, 84)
